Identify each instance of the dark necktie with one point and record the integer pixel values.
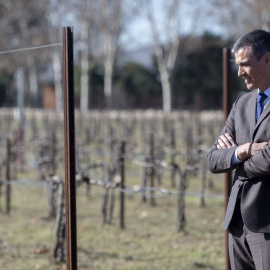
(260, 99)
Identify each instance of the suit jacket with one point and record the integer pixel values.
(254, 173)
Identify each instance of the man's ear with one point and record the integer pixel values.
(267, 58)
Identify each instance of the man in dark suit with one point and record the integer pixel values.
(243, 145)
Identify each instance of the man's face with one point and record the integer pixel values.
(254, 72)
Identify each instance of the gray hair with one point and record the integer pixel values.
(257, 40)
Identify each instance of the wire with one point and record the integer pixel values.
(33, 183)
(38, 183)
(141, 190)
(31, 48)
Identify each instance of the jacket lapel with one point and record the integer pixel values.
(252, 105)
(264, 114)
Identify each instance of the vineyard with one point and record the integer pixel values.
(145, 199)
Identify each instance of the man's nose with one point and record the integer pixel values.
(241, 72)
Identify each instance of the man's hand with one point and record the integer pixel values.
(226, 141)
(243, 151)
(255, 148)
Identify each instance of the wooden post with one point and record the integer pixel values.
(152, 169)
(58, 250)
(144, 180)
(227, 104)
(173, 157)
(122, 186)
(8, 188)
(203, 182)
(181, 199)
(69, 129)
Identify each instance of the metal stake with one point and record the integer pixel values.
(69, 129)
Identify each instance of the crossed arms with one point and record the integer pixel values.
(235, 140)
(243, 151)
(254, 159)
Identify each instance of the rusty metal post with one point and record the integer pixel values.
(122, 186)
(227, 104)
(8, 188)
(69, 129)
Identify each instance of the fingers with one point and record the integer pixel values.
(230, 139)
(226, 141)
(257, 148)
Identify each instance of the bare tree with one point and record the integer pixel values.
(165, 55)
(261, 9)
(254, 15)
(112, 25)
(86, 16)
(86, 12)
(101, 24)
(25, 19)
(84, 67)
(169, 24)
(53, 30)
(56, 60)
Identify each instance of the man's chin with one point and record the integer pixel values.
(251, 87)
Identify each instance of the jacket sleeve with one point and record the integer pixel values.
(219, 160)
(259, 164)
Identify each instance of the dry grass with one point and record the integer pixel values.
(149, 241)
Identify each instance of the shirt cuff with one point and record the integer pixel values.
(235, 159)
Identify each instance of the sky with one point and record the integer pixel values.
(138, 33)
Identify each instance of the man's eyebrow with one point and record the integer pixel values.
(243, 63)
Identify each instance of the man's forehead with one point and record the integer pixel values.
(243, 54)
(244, 51)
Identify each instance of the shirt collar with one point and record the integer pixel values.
(267, 91)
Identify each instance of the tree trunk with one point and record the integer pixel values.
(166, 89)
(57, 81)
(84, 69)
(163, 70)
(108, 70)
(33, 82)
(20, 94)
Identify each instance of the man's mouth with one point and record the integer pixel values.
(248, 80)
